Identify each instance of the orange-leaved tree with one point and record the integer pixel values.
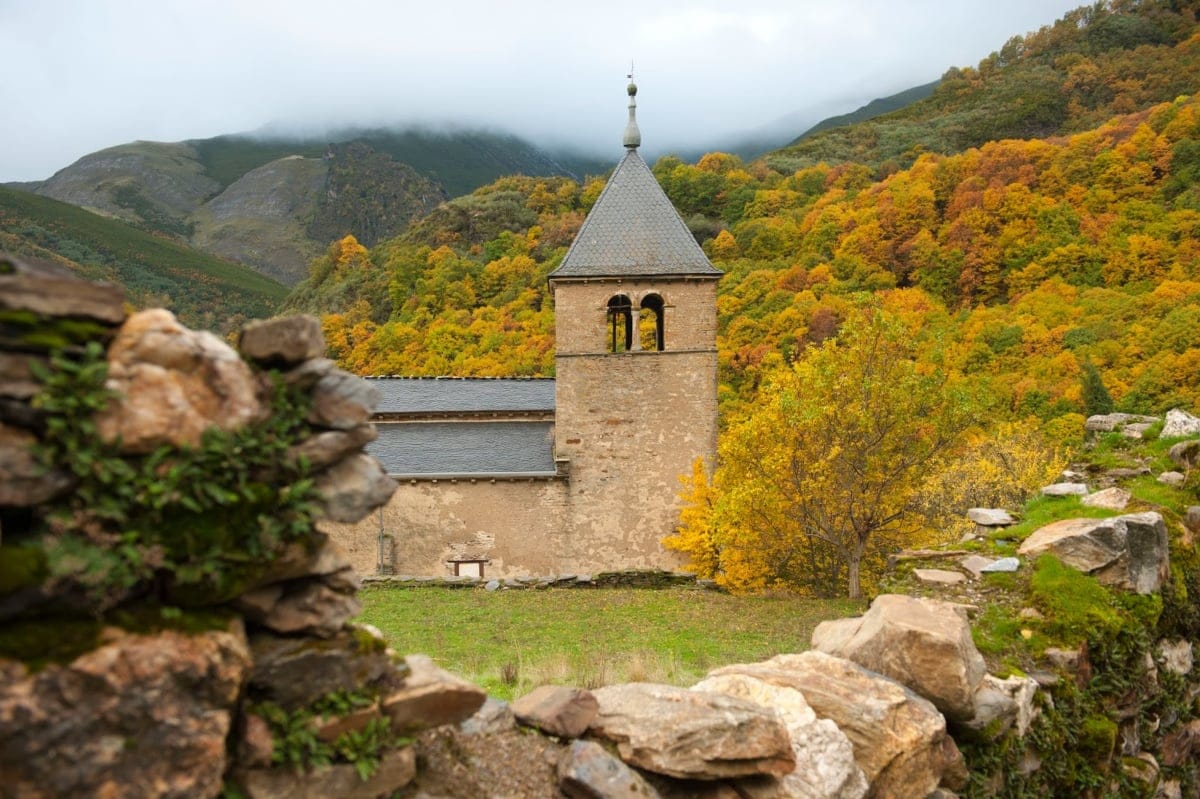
(823, 476)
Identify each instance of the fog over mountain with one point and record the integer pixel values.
(93, 75)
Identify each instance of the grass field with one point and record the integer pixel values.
(512, 641)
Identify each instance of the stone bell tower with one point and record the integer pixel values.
(636, 387)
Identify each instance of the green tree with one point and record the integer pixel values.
(1096, 399)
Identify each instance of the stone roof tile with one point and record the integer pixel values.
(634, 230)
(403, 395)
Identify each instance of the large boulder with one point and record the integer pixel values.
(691, 735)
(825, 767)
(557, 710)
(991, 517)
(430, 697)
(352, 488)
(587, 771)
(1180, 423)
(138, 716)
(1114, 498)
(1129, 552)
(922, 643)
(1108, 422)
(1186, 454)
(173, 384)
(899, 738)
(283, 341)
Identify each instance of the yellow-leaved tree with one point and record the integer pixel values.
(997, 468)
(823, 476)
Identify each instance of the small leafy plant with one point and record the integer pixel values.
(194, 522)
(297, 745)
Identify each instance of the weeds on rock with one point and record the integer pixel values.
(191, 525)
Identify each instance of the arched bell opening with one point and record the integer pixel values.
(651, 319)
(620, 324)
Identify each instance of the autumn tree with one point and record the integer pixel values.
(823, 475)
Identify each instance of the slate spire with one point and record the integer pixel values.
(633, 229)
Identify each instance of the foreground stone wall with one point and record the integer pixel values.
(168, 610)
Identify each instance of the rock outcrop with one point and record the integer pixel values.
(900, 740)
(689, 734)
(923, 644)
(1179, 423)
(1129, 552)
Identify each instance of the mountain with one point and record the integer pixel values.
(275, 203)
(202, 290)
(875, 108)
(1092, 64)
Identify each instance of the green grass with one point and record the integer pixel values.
(1042, 510)
(511, 641)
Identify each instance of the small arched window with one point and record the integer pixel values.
(650, 323)
(620, 324)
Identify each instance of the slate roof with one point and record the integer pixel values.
(633, 230)
(416, 395)
(464, 448)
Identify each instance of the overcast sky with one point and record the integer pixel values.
(80, 76)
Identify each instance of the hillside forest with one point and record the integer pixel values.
(1031, 229)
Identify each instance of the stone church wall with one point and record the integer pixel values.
(516, 524)
(630, 425)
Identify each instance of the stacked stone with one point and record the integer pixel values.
(171, 712)
(41, 305)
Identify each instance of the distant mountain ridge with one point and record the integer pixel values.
(275, 203)
(1092, 64)
(202, 290)
(875, 108)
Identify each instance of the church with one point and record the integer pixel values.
(532, 477)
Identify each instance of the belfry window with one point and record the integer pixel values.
(650, 323)
(620, 324)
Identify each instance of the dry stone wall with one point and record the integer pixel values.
(170, 617)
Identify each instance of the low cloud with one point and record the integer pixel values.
(93, 75)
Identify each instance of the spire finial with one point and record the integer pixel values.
(633, 136)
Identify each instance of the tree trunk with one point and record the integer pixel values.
(855, 591)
